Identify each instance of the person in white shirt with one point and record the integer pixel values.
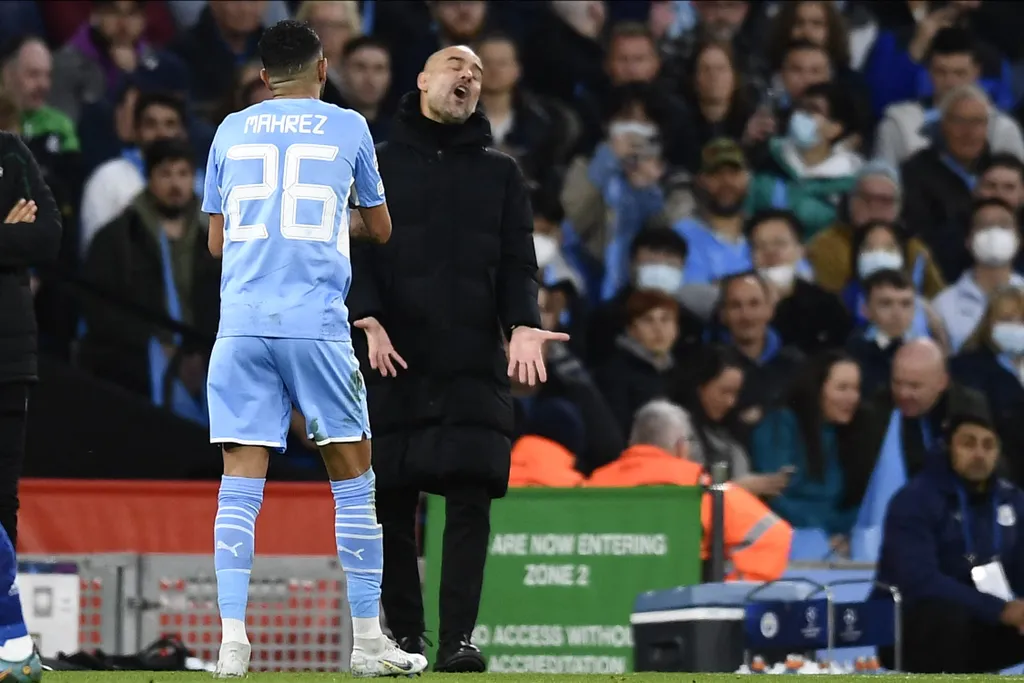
(993, 241)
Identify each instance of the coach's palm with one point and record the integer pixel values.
(382, 354)
(526, 353)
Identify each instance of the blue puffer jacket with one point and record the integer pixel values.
(925, 547)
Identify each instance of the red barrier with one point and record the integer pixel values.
(61, 516)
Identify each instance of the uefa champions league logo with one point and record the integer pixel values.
(811, 630)
(850, 632)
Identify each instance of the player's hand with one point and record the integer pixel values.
(526, 354)
(1013, 614)
(23, 212)
(382, 354)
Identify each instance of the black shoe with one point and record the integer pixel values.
(461, 657)
(414, 645)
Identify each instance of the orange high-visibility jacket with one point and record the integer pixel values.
(537, 461)
(756, 540)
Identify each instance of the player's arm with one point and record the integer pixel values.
(213, 203)
(215, 239)
(368, 194)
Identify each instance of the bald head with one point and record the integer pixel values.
(27, 74)
(919, 377)
(449, 85)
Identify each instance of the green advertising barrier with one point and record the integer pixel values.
(564, 568)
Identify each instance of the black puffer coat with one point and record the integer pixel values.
(458, 271)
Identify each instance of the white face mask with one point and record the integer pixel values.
(870, 262)
(660, 276)
(995, 245)
(642, 130)
(546, 248)
(803, 130)
(1009, 337)
(780, 276)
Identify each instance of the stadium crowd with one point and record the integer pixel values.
(799, 221)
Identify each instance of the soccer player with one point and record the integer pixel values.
(280, 177)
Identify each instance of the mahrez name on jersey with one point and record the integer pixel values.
(310, 124)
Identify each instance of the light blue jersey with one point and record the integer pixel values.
(284, 173)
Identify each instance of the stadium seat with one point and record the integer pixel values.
(809, 545)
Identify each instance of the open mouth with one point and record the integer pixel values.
(461, 92)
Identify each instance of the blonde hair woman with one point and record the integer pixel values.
(992, 361)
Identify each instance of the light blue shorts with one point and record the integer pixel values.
(254, 382)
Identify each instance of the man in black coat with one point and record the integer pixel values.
(456, 279)
(29, 236)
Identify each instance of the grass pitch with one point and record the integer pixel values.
(202, 677)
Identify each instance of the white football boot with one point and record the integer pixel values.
(233, 661)
(387, 660)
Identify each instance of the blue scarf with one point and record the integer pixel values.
(888, 477)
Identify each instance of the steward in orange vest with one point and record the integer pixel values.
(756, 540)
(537, 461)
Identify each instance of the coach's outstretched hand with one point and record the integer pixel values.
(526, 353)
(382, 354)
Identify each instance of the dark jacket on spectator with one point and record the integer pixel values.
(457, 274)
(811, 319)
(631, 377)
(937, 208)
(608, 321)
(874, 361)
(124, 262)
(569, 381)
(22, 245)
(982, 370)
(924, 547)
(211, 63)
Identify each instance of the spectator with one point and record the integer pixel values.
(876, 196)
(610, 197)
(225, 35)
(115, 184)
(806, 316)
(810, 166)
(953, 549)
(187, 13)
(756, 541)
(906, 126)
(564, 56)
(547, 455)
(152, 256)
(363, 83)
(890, 307)
(1003, 178)
(64, 17)
(991, 362)
(641, 367)
(745, 313)
(714, 236)
(337, 22)
(709, 393)
(993, 240)
(883, 246)
(803, 64)
(896, 68)
(657, 257)
(520, 126)
(720, 107)
(820, 23)
(905, 427)
(938, 181)
(815, 437)
(27, 72)
(569, 385)
(102, 51)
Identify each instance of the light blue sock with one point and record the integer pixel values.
(234, 535)
(360, 543)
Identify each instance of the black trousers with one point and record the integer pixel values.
(466, 534)
(939, 637)
(13, 414)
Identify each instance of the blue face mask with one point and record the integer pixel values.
(803, 130)
(1009, 337)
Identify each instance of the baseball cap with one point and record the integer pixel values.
(721, 152)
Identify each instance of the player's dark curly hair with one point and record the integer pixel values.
(288, 47)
